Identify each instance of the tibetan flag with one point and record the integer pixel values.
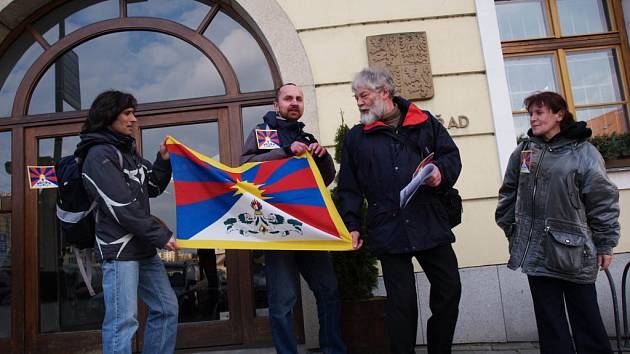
(267, 139)
(42, 177)
(279, 204)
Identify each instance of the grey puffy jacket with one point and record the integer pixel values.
(560, 210)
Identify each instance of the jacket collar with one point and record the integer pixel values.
(575, 132)
(271, 119)
(410, 115)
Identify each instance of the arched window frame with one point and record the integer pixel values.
(124, 23)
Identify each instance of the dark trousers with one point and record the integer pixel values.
(550, 296)
(440, 266)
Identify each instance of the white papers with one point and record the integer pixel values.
(419, 179)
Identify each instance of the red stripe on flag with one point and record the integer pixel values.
(265, 170)
(300, 179)
(194, 192)
(315, 216)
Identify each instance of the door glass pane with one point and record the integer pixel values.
(5, 234)
(198, 276)
(187, 12)
(605, 120)
(529, 74)
(253, 116)
(594, 76)
(521, 19)
(152, 66)
(5, 164)
(64, 301)
(242, 51)
(13, 65)
(73, 15)
(583, 17)
(259, 281)
(521, 125)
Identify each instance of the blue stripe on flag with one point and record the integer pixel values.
(292, 165)
(250, 174)
(192, 218)
(309, 196)
(188, 171)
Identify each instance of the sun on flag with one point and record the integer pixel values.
(279, 204)
(42, 177)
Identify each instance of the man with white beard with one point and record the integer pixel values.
(379, 158)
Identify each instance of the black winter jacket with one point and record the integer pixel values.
(125, 228)
(288, 132)
(376, 166)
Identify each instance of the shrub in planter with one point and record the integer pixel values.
(614, 146)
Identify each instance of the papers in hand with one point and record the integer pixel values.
(425, 169)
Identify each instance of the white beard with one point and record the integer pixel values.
(368, 118)
(376, 112)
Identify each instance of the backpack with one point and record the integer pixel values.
(76, 213)
(74, 209)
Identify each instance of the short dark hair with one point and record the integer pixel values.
(280, 88)
(555, 102)
(106, 108)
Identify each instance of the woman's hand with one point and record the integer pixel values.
(603, 261)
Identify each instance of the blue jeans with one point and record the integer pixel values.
(282, 292)
(123, 281)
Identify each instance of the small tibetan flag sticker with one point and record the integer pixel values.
(42, 177)
(267, 139)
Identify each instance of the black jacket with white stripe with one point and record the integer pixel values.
(125, 228)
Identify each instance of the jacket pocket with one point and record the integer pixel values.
(377, 214)
(511, 235)
(564, 251)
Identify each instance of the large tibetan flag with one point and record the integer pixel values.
(280, 204)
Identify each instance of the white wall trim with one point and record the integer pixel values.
(621, 178)
(497, 82)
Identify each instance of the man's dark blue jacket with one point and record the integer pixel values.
(375, 166)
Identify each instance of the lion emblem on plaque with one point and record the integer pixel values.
(257, 223)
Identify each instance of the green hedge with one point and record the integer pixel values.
(612, 146)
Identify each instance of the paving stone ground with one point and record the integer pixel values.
(481, 348)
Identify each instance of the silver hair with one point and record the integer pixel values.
(374, 78)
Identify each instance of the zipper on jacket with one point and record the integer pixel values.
(531, 229)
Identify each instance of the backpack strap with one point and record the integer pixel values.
(85, 267)
(120, 156)
(404, 141)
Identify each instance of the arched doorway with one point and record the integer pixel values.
(201, 74)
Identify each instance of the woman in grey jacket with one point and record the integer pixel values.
(560, 213)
